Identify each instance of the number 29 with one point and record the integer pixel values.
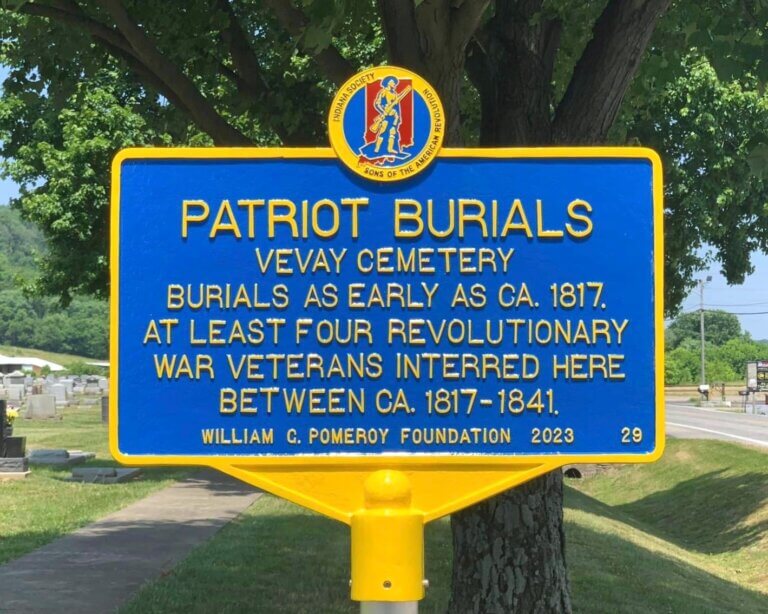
(631, 435)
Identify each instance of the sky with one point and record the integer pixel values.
(750, 297)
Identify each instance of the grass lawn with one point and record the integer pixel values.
(62, 359)
(684, 535)
(43, 507)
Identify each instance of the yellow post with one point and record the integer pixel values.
(388, 543)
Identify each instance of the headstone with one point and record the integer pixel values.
(16, 393)
(104, 475)
(13, 464)
(16, 377)
(103, 384)
(59, 392)
(3, 417)
(15, 447)
(69, 386)
(49, 457)
(16, 464)
(28, 381)
(92, 385)
(59, 457)
(105, 409)
(41, 406)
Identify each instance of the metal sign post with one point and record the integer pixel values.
(386, 331)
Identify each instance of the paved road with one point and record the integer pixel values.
(693, 422)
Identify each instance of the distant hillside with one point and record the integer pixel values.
(81, 329)
(20, 244)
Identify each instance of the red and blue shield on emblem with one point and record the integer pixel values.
(388, 122)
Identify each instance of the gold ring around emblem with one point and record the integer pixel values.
(385, 146)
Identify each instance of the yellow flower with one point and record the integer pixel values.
(11, 415)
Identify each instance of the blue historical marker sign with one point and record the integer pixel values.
(275, 303)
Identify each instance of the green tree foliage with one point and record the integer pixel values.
(30, 321)
(727, 349)
(83, 84)
(711, 133)
(81, 368)
(719, 327)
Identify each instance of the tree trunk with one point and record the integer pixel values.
(509, 552)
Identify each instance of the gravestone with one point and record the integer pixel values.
(16, 392)
(15, 447)
(59, 392)
(16, 377)
(92, 386)
(13, 464)
(59, 457)
(104, 475)
(105, 409)
(69, 386)
(41, 406)
(103, 384)
(3, 410)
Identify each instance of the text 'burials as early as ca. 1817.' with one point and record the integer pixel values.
(502, 303)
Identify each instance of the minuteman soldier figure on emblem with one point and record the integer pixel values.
(399, 117)
(388, 121)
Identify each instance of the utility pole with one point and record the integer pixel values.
(701, 328)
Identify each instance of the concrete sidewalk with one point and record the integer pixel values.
(98, 568)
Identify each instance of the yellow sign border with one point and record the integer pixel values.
(355, 462)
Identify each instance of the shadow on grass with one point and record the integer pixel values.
(706, 513)
(610, 574)
(278, 563)
(293, 562)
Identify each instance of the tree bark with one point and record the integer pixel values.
(144, 48)
(605, 70)
(509, 552)
(330, 61)
(431, 40)
(511, 62)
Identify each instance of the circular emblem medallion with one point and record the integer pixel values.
(386, 124)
